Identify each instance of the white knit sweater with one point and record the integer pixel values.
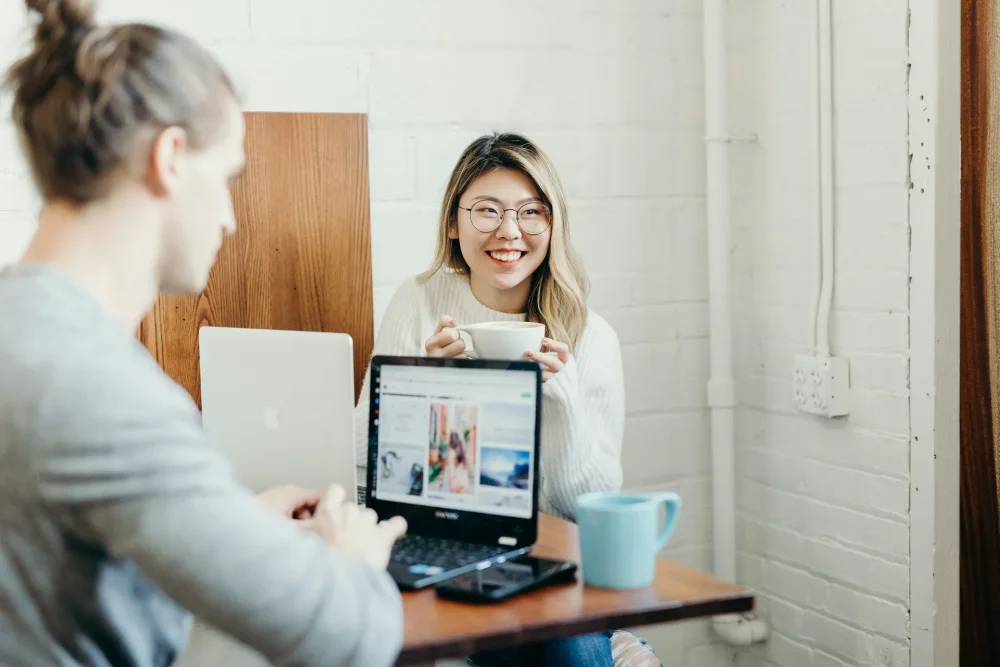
(583, 410)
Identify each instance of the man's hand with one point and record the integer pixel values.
(355, 532)
(290, 501)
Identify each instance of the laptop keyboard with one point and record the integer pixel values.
(446, 554)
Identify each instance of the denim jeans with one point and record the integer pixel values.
(582, 651)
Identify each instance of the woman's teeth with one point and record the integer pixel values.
(505, 255)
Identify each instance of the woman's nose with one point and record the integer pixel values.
(508, 228)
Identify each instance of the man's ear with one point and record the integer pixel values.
(164, 164)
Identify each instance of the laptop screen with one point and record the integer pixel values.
(459, 438)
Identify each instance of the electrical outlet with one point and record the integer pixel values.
(822, 385)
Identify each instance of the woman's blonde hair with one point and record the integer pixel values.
(558, 297)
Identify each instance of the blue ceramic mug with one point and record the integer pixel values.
(620, 536)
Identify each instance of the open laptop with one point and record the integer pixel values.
(453, 447)
(280, 405)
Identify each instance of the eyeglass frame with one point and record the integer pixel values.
(503, 215)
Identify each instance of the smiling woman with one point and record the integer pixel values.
(524, 261)
(504, 254)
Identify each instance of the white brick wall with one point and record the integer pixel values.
(612, 89)
(823, 506)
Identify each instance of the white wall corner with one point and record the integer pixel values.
(935, 127)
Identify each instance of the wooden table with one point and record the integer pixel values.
(437, 628)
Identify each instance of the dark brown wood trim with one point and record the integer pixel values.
(980, 521)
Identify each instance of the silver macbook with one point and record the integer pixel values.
(280, 405)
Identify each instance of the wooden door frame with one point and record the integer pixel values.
(980, 521)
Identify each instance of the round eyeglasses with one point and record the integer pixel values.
(531, 218)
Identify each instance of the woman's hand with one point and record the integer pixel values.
(290, 501)
(552, 361)
(445, 342)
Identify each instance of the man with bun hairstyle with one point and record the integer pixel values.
(117, 516)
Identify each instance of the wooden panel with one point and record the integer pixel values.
(980, 523)
(437, 628)
(301, 257)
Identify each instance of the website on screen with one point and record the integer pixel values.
(456, 438)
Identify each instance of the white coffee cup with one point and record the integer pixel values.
(504, 340)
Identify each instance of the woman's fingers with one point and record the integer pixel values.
(549, 363)
(447, 343)
(561, 349)
(445, 322)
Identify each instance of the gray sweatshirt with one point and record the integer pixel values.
(117, 515)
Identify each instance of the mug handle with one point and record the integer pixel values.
(468, 341)
(672, 504)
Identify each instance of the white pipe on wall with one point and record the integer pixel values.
(735, 629)
(721, 395)
(824, 118)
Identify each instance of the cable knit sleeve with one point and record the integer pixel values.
(583, 421)
(399, 334)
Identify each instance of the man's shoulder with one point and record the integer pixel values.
(64, 367)
(48, 325)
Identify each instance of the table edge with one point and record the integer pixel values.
(738, 602)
